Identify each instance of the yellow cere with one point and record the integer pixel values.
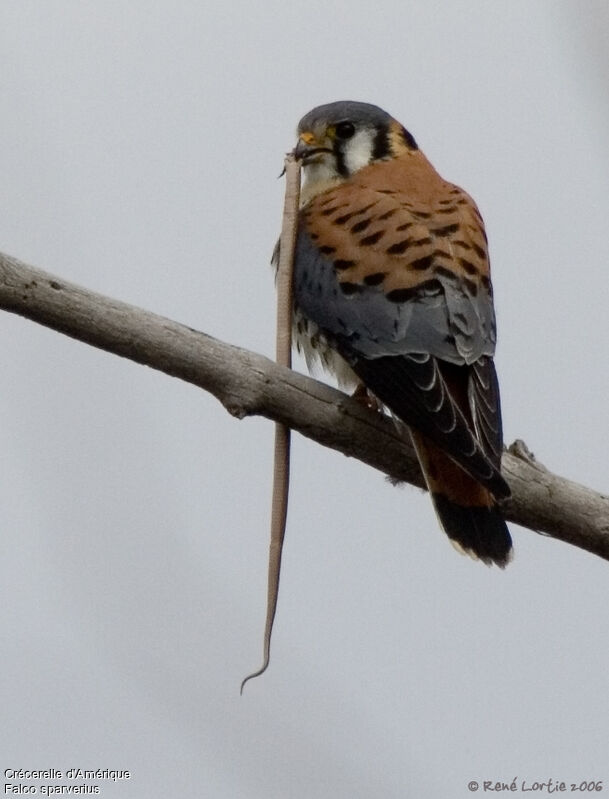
(307, 137)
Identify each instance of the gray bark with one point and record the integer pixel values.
(250, 384)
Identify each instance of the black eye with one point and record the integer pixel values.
(344, 130)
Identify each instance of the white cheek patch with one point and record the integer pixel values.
(358, 150)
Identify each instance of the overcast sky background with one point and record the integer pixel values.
(139, 151)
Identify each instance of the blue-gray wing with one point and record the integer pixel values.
(404, 309)
(443, 314)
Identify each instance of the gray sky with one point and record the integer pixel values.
(139, 154)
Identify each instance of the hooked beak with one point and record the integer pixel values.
(307, 147)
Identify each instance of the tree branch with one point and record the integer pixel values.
(250, 384)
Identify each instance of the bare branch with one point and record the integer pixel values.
(249, 384)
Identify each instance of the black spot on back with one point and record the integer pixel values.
(401, 295)
(388, 213)
(469, 267)
(350, 288)
(446, 230)
(442, 271)
(422, 263)
(471, 286)
(366, 208)
(341, 220)
(429, 287)
(398, 248)
(367, 241)
(341, 263)
(375, 279)
(359, 226)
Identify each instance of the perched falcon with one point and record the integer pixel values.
(392, 290)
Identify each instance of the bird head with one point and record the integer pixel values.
(338, 139)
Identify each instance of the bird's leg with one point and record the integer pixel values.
(366, 398)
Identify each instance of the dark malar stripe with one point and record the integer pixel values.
(341, 166)
(380, 148)
(409, 139)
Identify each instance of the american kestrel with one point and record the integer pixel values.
(392, 290)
